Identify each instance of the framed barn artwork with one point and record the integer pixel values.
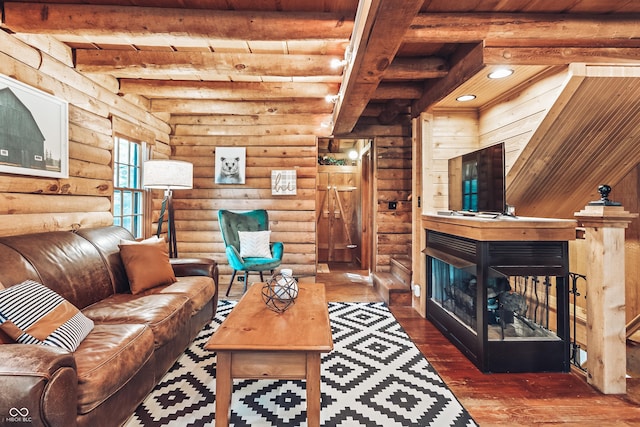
(230, 165)
(34, 128)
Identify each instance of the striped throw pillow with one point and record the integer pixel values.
(31, 313)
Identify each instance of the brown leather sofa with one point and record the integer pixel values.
(134, 342)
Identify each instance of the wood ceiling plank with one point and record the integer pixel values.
(379, 35)
(118, 21)
(501, 29)
(141, 64)
(226, 90)
(585, 140)
(466, 63)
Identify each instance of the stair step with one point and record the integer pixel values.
(392, 290)
(401, 268)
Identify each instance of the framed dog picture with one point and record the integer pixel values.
(230, 165)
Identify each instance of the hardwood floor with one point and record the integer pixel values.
(496, 399)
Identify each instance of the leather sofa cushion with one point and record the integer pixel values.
(199, 289)
(108, 358)
(165, 314)
(65, 263)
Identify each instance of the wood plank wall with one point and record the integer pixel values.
(34, 204)
(292, 218)
(515, 119)
(447, 134)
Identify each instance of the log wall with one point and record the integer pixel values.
(34, 204)
(392, 183)
(292, 218)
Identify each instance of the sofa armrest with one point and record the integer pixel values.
(195, 267)
(39, 385)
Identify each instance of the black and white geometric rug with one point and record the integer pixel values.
(375, 376)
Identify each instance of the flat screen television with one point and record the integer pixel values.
(477, 181)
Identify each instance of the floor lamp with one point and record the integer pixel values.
(168, 175)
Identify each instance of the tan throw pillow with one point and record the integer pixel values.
(147, 265)
(255, 244)
(4, 338)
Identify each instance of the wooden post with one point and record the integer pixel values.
(606, 339)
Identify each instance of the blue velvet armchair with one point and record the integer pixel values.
(255, 220)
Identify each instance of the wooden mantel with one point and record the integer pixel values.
(502, 228)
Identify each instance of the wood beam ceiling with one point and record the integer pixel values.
(208, 106)
(226, 90)
(504, 29)
(158, 64)
(376, 42)
(416, 68)
(172, 24)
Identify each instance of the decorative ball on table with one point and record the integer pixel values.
(280, 291)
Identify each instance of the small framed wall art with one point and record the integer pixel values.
(283, 182)
(230, 165)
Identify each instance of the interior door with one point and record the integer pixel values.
(338, 200)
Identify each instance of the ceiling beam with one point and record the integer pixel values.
(173, 23)
(226, 90)
(376, 42)
(560, 55)
(416, 68)
(467, 61)
(207, 106)
(505, 29)
(147, 64)
(397, 90)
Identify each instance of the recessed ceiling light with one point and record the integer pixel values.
(500, 73)
(465, 98)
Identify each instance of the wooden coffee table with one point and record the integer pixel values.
(255, 342)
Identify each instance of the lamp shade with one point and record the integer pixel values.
(167, 174)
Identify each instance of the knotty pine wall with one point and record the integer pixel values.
(515, 119)
(96, 112)
(292, 218)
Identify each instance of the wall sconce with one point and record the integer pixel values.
(353, 156)
(168, 175)
(332, 98)
(338, 63)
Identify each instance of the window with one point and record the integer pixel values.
(128, 194)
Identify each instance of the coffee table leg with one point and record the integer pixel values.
(313, 389)
(224, 386)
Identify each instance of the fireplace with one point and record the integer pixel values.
(504, 304)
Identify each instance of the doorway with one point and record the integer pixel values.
(340, 228)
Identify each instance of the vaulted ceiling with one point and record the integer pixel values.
(271, 59)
